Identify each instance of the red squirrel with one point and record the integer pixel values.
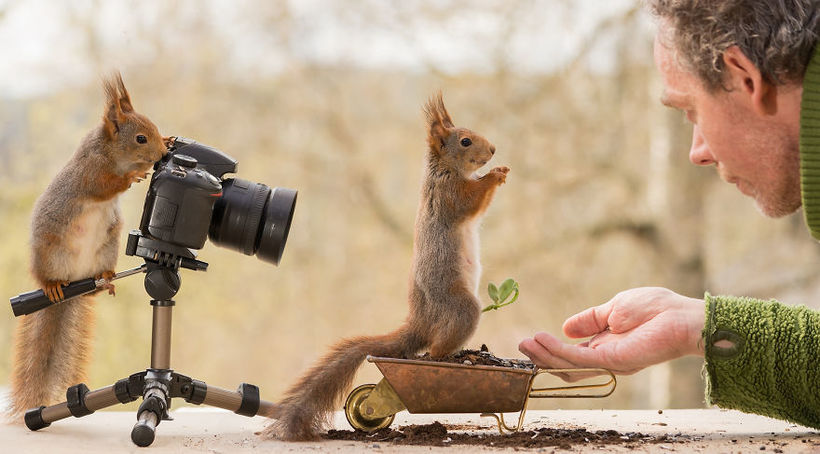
(75, 230)
(444, 306)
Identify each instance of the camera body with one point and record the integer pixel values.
(189, 200)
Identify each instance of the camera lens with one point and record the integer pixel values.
(253, 219)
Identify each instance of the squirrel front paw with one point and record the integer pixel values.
(107, 276)
(54, 290)
(500, 174)
(135, 176)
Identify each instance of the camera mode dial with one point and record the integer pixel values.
(183, 160)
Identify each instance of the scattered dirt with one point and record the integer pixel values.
(437, 434)
(479, 357)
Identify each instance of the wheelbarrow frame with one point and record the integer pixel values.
(426, 387)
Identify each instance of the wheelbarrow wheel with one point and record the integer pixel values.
(355, 415)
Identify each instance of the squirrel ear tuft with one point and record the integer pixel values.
(438, 120)
(125, 98)
(113, 116)
(445, 117)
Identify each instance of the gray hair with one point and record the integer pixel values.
(778, 36)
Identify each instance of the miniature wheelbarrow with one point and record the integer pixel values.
(425, 387)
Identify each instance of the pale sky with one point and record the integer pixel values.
(43, 50)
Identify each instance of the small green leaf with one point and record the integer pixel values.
(505, 289)
(493, 291)
(515, 297)
(501, 293)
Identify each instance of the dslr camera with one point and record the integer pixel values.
(189, 200)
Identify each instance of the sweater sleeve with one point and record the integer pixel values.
(773, 368)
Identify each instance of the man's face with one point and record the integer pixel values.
(756, 152)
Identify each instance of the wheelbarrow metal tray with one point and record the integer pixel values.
(439, 387)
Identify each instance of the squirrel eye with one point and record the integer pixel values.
(142, 139)
(465, 142)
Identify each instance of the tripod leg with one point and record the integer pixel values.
(144, 430)
(154, 407)
(79, 402)
(244, 401)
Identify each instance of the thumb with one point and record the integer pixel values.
(589, 322)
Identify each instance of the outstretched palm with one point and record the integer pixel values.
(635, 329)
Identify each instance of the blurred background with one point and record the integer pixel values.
(325, 97)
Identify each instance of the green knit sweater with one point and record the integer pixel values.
(774, 367)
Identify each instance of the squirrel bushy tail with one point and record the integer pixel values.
(309, 403)
(51, 353)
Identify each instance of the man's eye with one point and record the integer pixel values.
(142, 139)
(465, 142)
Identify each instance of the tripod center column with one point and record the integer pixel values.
(161, 334)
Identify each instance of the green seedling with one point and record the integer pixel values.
(500, 294)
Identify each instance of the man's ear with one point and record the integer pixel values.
(742, 74)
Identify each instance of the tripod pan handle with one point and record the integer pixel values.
(26, 303)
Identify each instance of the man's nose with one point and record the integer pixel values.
(700, 154)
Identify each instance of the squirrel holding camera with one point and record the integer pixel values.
(75, 231)
(444, 306)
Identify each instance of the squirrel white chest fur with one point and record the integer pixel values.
(470, 254)
(86, 234)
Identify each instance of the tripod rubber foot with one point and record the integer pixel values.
(142, 434)
(34, 419)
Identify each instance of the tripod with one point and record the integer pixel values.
(158, 384)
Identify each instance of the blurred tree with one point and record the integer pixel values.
(600, 197)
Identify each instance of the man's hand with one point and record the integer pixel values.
(635, 329)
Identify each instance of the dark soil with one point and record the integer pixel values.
(479, 357)
(436, 434)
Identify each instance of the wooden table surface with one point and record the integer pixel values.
(216, 431)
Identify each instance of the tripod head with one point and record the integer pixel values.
(162, 263)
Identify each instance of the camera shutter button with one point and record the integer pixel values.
(183, 160)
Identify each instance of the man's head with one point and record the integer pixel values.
(735, 68)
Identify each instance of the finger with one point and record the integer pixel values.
(543, 359)
(60, 292)
(549, 342)
(604, 338)
(589, 322)
(575, 355)
(553, 361)
(635, 307)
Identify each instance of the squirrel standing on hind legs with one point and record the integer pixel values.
(444, 306)
(75, 229)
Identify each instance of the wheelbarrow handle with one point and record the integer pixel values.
(562, 391)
